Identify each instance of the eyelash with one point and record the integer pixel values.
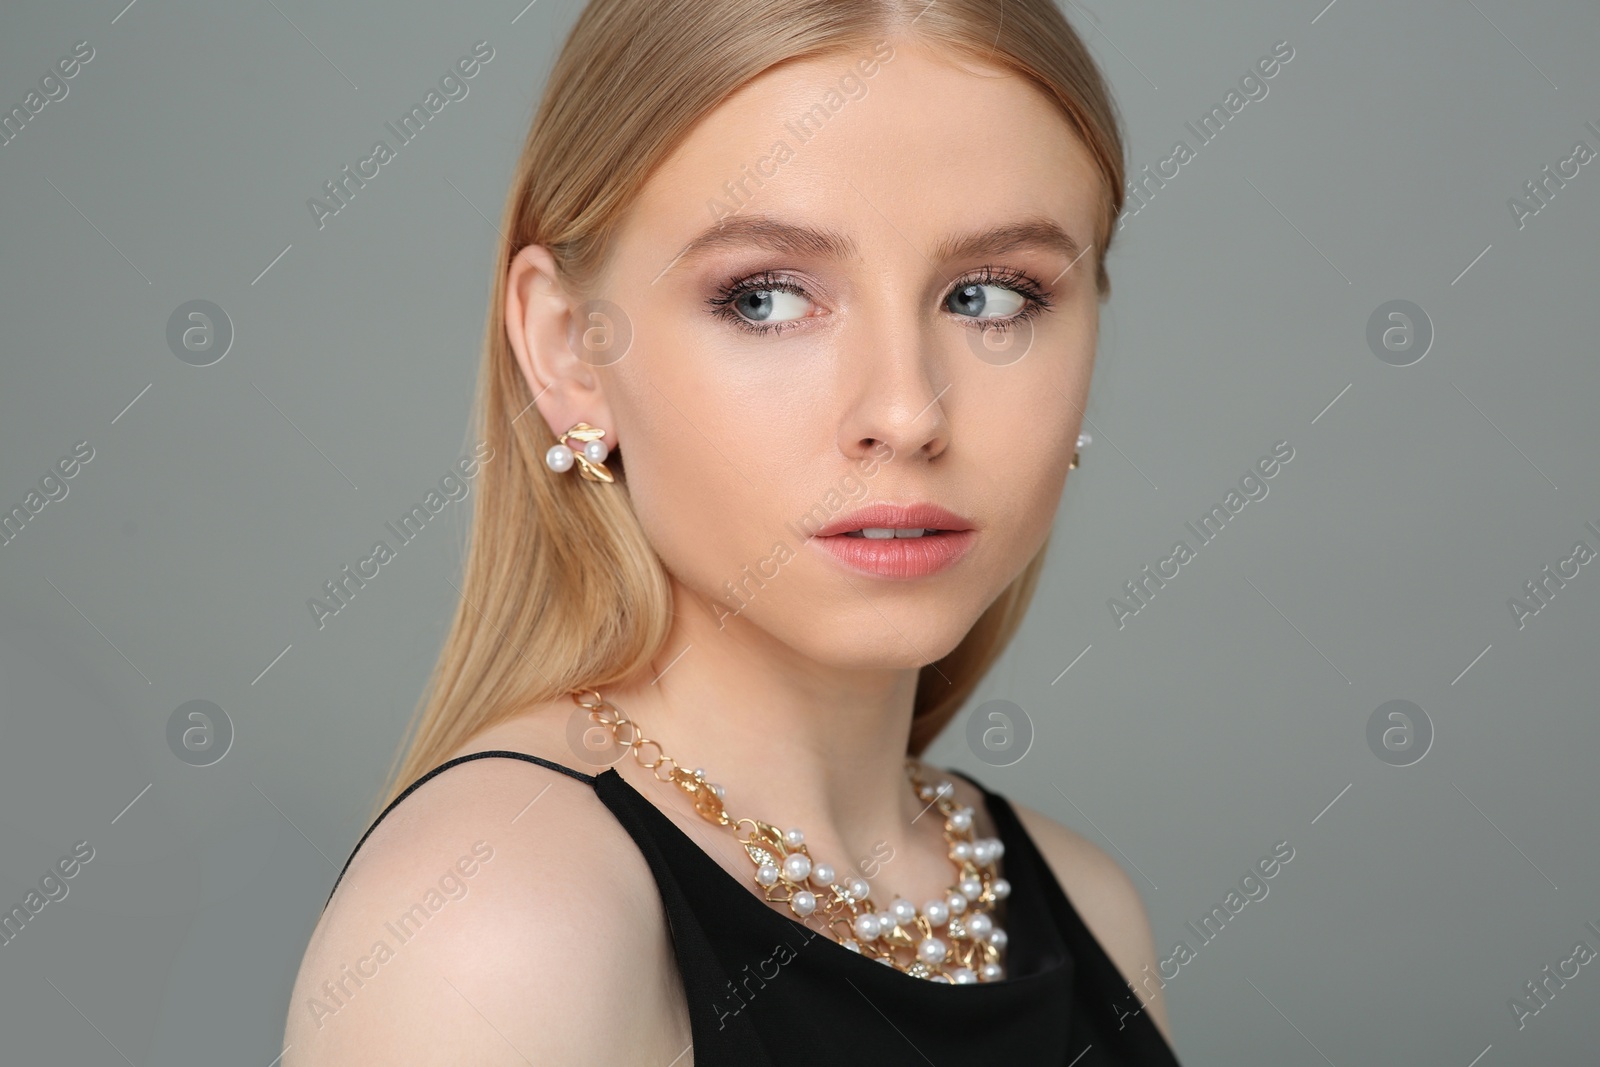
(1035, 300)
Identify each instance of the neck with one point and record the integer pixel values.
(793, 742)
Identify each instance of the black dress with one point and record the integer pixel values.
(765, 990)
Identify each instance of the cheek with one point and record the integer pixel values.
(1026, 418)
(1029, 485)
(701, 461)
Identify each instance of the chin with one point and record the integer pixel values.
(883, 642)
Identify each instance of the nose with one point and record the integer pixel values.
(897, 389)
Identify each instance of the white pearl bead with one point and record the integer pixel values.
(940, 978)
(980, 926)
(866, 926)
(964, 976)
(854, 946)
(930, 950)
(961, 851)
(767, 874)
(997, 846)
(886, 961)
(793, 838)
(971, 888)
(957, 903)
(936, 912)
(946, 789)
(903, 910)
(803, 903)
(960, 820)
(998, 939)
(822, 875)
(1001, 888)
(796, 866)
(558, 458)
(990, 972)
(859, 889)
(980, 852)
(596, 451)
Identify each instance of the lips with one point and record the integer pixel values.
(888, 548)
(896, 517)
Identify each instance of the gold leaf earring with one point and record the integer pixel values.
(591, 460)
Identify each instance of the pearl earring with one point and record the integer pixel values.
(1083, 439)
(591, 461)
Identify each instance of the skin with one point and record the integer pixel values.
(800, 704)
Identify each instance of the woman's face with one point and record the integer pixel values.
(888, 314)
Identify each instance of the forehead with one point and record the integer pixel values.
(920, 143)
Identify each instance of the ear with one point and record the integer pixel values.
(539, 317)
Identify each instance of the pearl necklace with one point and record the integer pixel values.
(950, 939)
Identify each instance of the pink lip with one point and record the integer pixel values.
(898, 557)
(896, 517)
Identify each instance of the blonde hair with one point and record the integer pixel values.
(562, 591)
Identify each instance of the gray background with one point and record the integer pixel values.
(1230, 714)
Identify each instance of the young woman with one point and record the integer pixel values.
(787, 353)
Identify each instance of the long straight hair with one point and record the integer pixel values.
(562, 590)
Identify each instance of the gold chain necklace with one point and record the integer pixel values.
(949, 939)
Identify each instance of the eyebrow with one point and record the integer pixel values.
(1010, 237)
(785, 238)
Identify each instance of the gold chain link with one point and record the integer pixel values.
(837, 909)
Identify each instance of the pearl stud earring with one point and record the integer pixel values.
(591, 460)
(1083, 439)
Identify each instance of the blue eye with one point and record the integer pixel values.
(766, 303)
(769, 305)
(985, 301)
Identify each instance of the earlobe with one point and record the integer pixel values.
(538, 321)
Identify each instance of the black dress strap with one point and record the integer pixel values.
(587, 779)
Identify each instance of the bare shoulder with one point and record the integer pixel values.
(497, 915)
(1105, 896)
